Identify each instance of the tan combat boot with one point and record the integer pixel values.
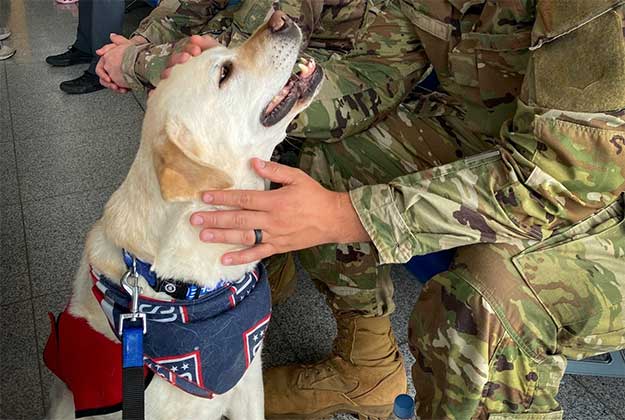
(363, 375)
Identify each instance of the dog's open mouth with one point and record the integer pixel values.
(299, 87)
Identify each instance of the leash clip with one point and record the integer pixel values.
(130, 283)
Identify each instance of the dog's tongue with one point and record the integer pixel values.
(284, 101)
(305, 69)
(279, 110)
(279, 98)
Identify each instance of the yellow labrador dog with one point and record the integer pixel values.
(205, 321)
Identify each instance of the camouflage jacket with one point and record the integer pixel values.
(543, 78)
(359, 87)
(327, 24)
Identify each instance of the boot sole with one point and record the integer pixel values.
(369, 412)
(6, 57)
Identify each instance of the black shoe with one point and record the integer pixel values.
(69, 58)
(86, 83)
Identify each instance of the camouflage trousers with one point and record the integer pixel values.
(491, 335)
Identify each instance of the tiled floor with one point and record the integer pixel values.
(60, 158)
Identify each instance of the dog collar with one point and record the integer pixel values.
(175, 288)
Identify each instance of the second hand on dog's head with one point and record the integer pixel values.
(202, 126)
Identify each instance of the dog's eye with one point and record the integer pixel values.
(226, 69)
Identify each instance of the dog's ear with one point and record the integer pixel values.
(181, 174)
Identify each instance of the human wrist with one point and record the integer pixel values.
(138, 40)
(350, 229)
(129, 61)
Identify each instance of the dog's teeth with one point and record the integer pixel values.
(303, 60)
(303, 68)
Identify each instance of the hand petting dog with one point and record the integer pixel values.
(301, 214)
(195, 46)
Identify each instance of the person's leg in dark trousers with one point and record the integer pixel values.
(96, 21)
(80, 52)
(83, 33)
(107, 16)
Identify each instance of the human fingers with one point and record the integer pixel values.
(243, 199)
(178, 58)
(232, 236)
(231, 219)
(278, 173)
(106, 48)
(203, 41)
(101, 72)
(118, 39)
(175, 59)
(249, 255)
(192, 49)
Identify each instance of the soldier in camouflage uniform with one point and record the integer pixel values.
(518, 161)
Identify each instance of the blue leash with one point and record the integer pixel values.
(132, 326)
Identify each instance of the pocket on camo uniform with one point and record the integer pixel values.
(578, 275)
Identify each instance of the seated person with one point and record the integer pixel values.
(97, 19)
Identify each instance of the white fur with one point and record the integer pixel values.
(222, 125)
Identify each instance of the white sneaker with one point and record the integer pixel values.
(4, 33)
(6, 52)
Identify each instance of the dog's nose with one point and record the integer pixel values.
(279, 21)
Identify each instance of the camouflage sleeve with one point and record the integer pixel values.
(142, 65)
(363, 85)
(162, 26)
(562, 161)
(441, 208)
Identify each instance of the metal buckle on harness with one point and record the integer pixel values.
(133, 289)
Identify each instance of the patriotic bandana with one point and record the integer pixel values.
(202, 346)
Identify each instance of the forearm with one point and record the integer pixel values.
(459, 204)
(162, 26)
(346, 218)
(142, 65)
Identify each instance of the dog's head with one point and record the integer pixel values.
(225, 106)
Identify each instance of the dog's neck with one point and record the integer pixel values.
(138, 219)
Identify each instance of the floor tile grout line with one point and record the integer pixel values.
(598, 397)
(97, 189)
(21, 300)
(38, 296)
(30, 284)
(62, 290)
(79, 191)
(15, 302)
(97, 127)
(30, 138)
(138, 101)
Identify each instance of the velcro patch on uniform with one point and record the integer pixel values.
(585, 70)
(432, 26)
